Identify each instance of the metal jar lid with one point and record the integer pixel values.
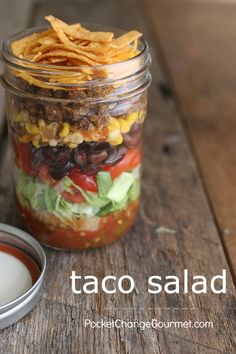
(22, 269)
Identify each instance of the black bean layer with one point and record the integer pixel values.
(89, 157)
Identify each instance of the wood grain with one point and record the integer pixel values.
(173, 198)
(14, 17)
(197, 40)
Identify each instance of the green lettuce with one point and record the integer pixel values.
(104, 183)
(111, 196)
(120, 187)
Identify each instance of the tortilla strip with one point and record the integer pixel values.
(84, 35)
(64, 54)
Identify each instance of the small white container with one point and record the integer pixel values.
(22, 269)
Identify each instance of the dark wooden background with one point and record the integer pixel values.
(188, 214)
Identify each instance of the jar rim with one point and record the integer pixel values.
(127, 77)
(15, 60)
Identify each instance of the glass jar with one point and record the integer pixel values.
(77, 146)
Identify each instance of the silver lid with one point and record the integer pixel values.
(23, 258)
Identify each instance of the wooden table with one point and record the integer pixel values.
(188, 214)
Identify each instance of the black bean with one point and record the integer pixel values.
(103, 146)
(59, 160)
(131, 141)
(97, 146)
(57, 153)
(115, 155)
(91, 169)
(58, 171)
(80, 157)
(37, 156)
(97, 156)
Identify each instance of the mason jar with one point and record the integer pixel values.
(76, 145)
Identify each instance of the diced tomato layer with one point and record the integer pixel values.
(131, 159)
(86, 182)
(23, 158)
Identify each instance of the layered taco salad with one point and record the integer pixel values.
(76, 126)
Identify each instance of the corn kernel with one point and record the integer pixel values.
(74, 138)
(72, 146)
(42, 123)
(52, 142)
(65, 130)
(131, 118)
(113, 124)
(24, 139)
(117, 141)
(31, 128)
(114, 131)
(36, 143)
(113, 135)
(36, 140)
(124, 126)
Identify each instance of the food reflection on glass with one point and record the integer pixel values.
(76, 103)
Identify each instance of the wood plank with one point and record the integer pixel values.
(197, 39)
(14, 18)
(173, 198)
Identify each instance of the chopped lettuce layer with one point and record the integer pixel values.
(113, 195)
